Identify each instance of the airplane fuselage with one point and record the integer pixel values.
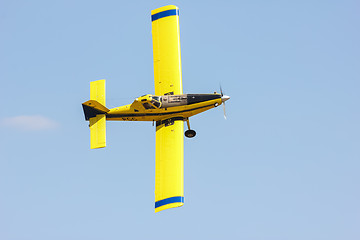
(159, 108)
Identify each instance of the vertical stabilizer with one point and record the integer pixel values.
(98, 124)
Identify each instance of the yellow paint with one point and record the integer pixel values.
(169, 165)
(95, 104)
(98, 131)
(97, 124)
(166, 53)
(97, 91)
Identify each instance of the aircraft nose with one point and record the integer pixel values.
(224, 98)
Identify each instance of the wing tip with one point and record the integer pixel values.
(170, 202)
(166, 11)
(164, 8)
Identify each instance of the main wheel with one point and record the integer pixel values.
(190, 133)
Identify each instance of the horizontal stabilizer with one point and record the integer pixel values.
(98, 131)
(95, 111)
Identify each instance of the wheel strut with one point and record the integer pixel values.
(188, 123)
(189, 133)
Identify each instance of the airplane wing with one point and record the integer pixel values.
(166, 51)
(169, 165)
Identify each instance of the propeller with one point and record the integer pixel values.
(224, 98)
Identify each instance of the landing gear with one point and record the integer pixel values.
(189, 133)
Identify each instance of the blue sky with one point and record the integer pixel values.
(285, 165)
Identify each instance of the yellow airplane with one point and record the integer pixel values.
(169, 108)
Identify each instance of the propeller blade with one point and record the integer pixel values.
(223, 99)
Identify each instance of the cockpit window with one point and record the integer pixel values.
(156, 101)
(156, 104)
(148, 106)
(156, 98)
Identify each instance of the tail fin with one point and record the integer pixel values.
(95, 111)
(92, 108)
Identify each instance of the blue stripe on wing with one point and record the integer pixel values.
(168, 201)
(167, 13)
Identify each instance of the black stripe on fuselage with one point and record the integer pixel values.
(153, 114)
(198, 98)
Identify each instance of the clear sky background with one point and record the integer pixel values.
(285, 165)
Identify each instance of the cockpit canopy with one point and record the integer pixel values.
(150, 101)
